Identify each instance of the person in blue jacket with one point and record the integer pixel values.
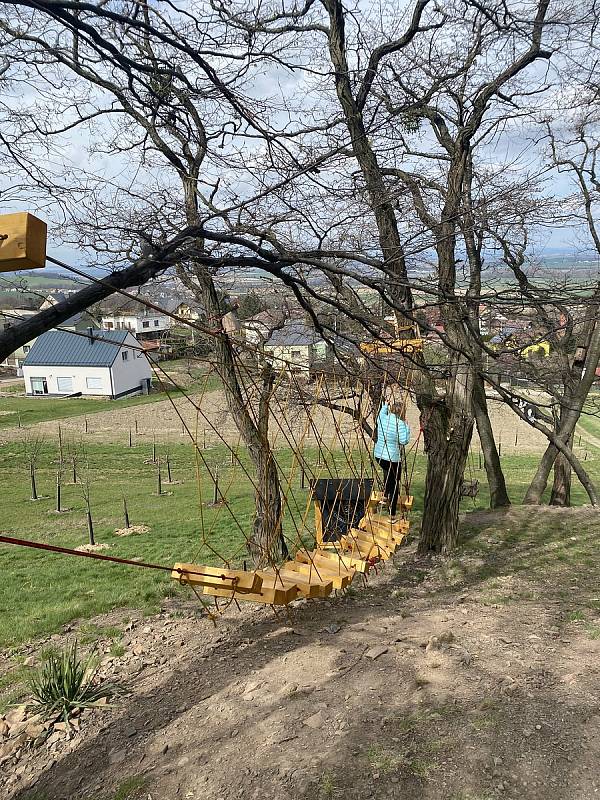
(392, 434)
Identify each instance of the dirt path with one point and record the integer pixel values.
(472, 697)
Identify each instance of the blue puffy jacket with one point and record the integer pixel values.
(392, 434)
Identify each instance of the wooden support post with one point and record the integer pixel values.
(34, 494)
(158, 479)
(516, 438)
(136, 426)
(130, 441)
(90, 523)
(154, 447)
(499, 449)
(169, 470)
(216, 487)
(58, 508)
(74, 466)
(126, 514)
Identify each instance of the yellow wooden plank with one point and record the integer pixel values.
(329, 571)
(348, 561)
(22, 242)
(202, 575)
(309, 585)
(269, 594)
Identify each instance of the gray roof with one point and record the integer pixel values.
(293, 334)
(66, 349)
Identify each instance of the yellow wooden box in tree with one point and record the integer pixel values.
(22, 242)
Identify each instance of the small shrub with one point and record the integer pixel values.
(66, 682)
(131, 788)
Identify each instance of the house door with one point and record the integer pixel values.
(39, 386)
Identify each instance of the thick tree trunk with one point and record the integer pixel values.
(561, 489)
(447, 438)
(497, 485)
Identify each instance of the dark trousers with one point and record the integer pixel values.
(392, 472)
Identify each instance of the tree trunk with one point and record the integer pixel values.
(561, 488)
(447, 439)
(266, 543)
(498, 493)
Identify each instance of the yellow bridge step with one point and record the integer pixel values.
(314, 563)
(310, 586)
(217, 578)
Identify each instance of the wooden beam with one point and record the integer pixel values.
(217, 577)
(22, 242)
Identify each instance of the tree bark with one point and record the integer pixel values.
(447, 438)
(561, 488)
(495, 477)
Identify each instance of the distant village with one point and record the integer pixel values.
(101, 351)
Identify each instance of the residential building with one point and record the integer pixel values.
(295, 346)
(137, 318)
(101, 363)
(9, 317)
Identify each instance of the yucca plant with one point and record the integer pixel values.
(66, 682)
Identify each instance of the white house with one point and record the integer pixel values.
(295, 346)
(104, 363)
(138, 319)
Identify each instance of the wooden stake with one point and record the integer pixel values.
(232, 457)
(216, 487)
(126, 514)
(136, 426)
(154, 447)
(34, 495)
(516, 438)
(479, 458)
(169, 470)
(302, 478)
(90, 526)
(58, 508)
(204, 439)
(74, 465)
(158, 480)
(86, 425)
(499, 449)
(130, 442)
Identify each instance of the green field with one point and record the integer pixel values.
(41, 591)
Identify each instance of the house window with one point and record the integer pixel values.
(109, 326)
(145, 323)
(124, 355)
(26, 348)
(64, 385)
(39, 386)
(156, 323)
(93, 383)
